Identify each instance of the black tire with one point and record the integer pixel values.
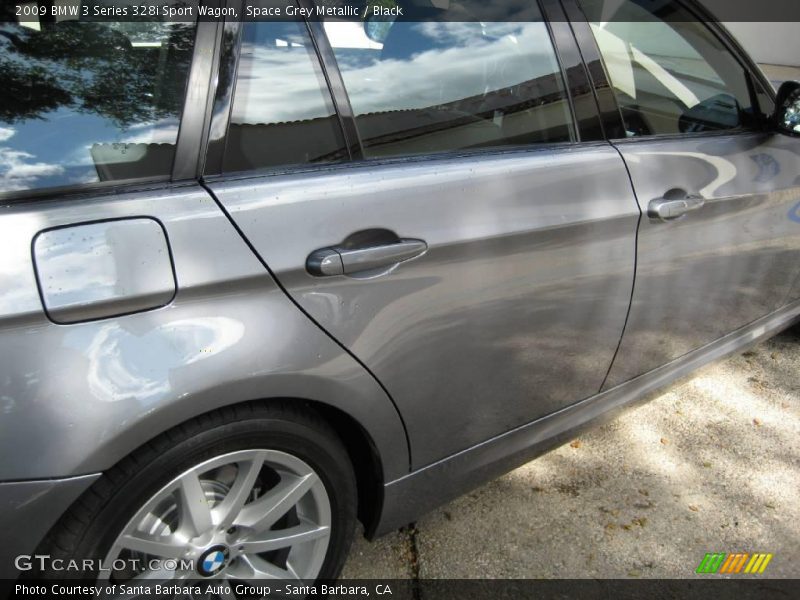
(90, 526)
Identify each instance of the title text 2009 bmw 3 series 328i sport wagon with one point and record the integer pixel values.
(263, 278)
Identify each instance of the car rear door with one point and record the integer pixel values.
(719, 242)
(436, 212)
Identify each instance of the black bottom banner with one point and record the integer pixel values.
(407, 589)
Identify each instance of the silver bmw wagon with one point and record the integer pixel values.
(262, 277)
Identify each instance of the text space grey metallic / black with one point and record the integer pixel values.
(259, 280)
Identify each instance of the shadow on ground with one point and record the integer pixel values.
(711, 466)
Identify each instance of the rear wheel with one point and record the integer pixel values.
(258, 492)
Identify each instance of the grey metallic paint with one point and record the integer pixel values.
(427, 488)
(103, 269)
(526, 280)
(28, 509)
(107, 386)
(717, 268)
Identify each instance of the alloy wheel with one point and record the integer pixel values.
(241, 516)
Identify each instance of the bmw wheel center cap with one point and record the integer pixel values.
(213, 560)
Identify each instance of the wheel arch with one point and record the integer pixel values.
(365, 458)
(361, 449)
(365, 455)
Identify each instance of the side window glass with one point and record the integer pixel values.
(669, 72)
(282, 112)
(423, 87)
(86, 102)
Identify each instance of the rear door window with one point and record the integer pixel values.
(88, 102)
(442, 85)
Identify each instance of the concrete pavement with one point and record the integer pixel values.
(710, 466)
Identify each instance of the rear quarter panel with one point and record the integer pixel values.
(77, 398)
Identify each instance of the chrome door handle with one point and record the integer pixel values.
(343, 261)
(669, 209)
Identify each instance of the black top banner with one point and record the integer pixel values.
(185, 11)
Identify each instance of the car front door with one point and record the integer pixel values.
(441, 218)
(719, 240)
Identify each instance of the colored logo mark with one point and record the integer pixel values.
(741, 562)
(213, 561)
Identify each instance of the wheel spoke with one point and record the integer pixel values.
(262, 514)
(156, 547)
(291, 570)
(246, 475)
(248, 568)
(194, 505)
(284, 538)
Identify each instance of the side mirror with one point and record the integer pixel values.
(787, 109)
(377, 28)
